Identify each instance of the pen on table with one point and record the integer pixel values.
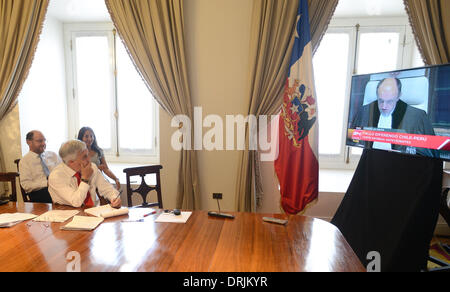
(148, 214)
(140, 220)
(133, 220)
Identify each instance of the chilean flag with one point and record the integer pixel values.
(297, 165)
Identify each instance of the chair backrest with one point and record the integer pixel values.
(144, 189)
(24, 194)
(10, 177)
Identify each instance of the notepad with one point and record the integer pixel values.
(57, 216)
(106, 211)
(171, 218)
(11, 219)
(83, 223)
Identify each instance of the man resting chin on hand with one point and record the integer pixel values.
(75, 181)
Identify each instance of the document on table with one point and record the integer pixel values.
(106, 211)
(139, 214)
(171, 218)
(57, 216)
(11, 219)
(83, 223)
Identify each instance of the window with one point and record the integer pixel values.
(334, 49)
(107, 94)
(354, 46)
(42, 101)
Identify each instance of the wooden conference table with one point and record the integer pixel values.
(243, 244)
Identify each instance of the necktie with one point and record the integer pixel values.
(88, 201)
(44, 166)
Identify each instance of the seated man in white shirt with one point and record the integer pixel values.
(75, 181)
(35, 168)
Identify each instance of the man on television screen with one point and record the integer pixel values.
(389, 112)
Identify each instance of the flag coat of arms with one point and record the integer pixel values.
(297, 165)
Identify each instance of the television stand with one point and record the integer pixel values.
(392, 207)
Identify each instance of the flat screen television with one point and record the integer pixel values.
(405, 111)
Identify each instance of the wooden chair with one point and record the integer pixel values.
(24, 194)
(102, 200)
(144, 189)
(10, 177)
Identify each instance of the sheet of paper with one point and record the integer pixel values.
(11, 219)
(86, 223)
(57, 216)
(141, 212)
(106, 211)
(171, 218)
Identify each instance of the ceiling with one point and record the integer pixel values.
(366, 8)
(79, 10)
(95, 10)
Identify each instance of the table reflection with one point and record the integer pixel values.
(321, 251)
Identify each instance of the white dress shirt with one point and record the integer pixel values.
(64, 189)
(384, 123)
(32, 176)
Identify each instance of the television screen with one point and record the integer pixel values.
(406, 111)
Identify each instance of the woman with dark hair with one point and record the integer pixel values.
(87, 135)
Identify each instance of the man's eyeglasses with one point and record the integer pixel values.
(387, 102)
(40, 141)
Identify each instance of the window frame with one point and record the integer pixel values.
(115, 154)
(346, 160)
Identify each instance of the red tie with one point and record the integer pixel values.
(88, 201)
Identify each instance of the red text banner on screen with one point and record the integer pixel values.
(412, 140)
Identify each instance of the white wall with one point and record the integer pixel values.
(217, 48)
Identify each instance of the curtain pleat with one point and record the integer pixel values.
(430, 20)
(21, 24)
(320, 14)
(153, 33)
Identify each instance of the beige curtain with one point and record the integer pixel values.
(320, 13)
(273, 24)
(153, 33)
(20, 26)
(430, 20)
